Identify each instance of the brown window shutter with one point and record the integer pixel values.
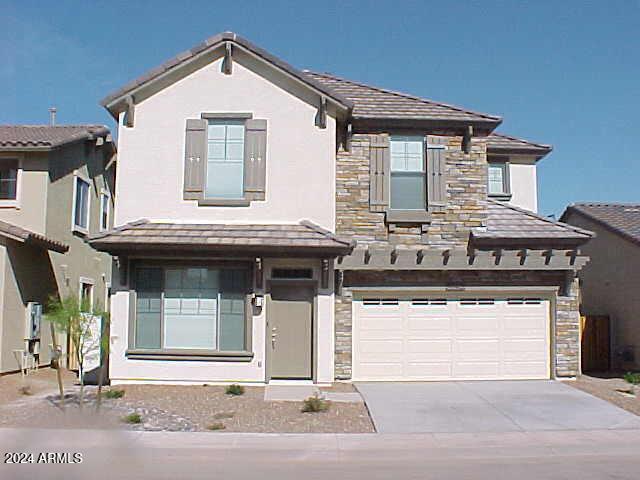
(195, 158)
(255, 159)
(379, 166)
(436, 173)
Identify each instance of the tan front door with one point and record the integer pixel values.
(289, 334)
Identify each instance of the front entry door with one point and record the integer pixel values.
(289, 332)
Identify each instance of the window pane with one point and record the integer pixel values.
(190, 308)
(496, 179)
(8, 179)
(104, 212)
(232, 309)
(82, 203)
(148, 301)
(225, 166)
(407, 191)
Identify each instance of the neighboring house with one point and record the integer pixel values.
(244, 187)
(611, 281)
(56, 187)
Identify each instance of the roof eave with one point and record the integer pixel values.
(574, 209)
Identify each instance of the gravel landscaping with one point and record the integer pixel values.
(173, 408)
(610, 389)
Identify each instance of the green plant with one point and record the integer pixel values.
(216, 426)
(234, 389)
(111, 393)
(632, 378)
(132, 418)
(315, 404)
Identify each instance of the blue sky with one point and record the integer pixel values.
(565, 73)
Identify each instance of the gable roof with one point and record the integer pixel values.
(620, 218)
(284, 238)
(46, 137)
(22, 235)
(173, 64)
(379, 103)
(502, 143)
(509, 225)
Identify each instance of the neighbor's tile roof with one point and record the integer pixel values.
(500, 142)
(379, 103)
(621, 218)
(513, 224)
(144, 233)
(45, 136)
(23, 235)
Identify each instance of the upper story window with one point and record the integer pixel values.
(81, 205)
(105, 210)
(407, 184)
(225, 159)
(8, 179)
(498, 178)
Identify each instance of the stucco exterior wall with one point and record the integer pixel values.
(300, 181)
(611, 286)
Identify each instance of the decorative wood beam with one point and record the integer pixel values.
(523, 255)
(466, 139)
(393, 256)
(324, 274)
(498, 255)
(99, 141)
(130, 112)
(547, 254)
(321, 116)
(227, 63)
(419, 256)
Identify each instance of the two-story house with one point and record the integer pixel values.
(56, 188)
(278, 224)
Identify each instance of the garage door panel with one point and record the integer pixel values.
(490, 338)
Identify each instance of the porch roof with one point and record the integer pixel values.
(289, 239)
(22, 235)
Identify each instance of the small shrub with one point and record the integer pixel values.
(26, 390)
(133, 418)
(632, 378)
(315, 404)
(113, 393)
(216, 426)
(234, 389)
(224, 415)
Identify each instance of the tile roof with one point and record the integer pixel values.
(379, 103)
(210, 44)
(46, 136)
(501, 142)
(22, 235)
(513, 225)
(620, 218)
(147, 234)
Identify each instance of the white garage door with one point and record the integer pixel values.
(431, 338)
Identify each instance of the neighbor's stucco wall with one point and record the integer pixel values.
(26, 277)
(33, 179)
(300, 181)
(524, 186)
(611, 286)
(81, 261)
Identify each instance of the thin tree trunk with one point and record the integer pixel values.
(54, 342)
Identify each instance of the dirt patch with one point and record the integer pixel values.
(609, 389)
(36, 383)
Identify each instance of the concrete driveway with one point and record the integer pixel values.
(488, 406)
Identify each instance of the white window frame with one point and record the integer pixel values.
(77, 228)
(503, 164)
(105, 196)
(423, 171)
(14, 203)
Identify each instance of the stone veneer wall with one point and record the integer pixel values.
(466, 195)
(466, 209)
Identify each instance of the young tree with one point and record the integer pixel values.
(77, 319)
